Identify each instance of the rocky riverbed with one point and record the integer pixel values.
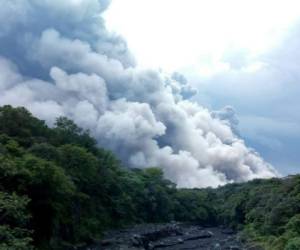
(173, 236)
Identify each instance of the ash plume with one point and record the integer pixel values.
(58, 59)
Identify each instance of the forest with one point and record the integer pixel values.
(59, 189)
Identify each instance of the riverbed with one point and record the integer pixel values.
(172, 236)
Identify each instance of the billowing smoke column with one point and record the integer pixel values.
(58, 59)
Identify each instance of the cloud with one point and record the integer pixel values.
(264, 89)
(227, 115)
(67, 63)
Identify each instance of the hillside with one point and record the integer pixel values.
(59, 189)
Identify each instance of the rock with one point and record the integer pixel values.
(234, 248)
(107, 242)
(217, 246)
(150, 246)
(254, 247)
(193, 247)
(180, 240)
(166, 243)
(170, 230)
(201, 235)
(136, 240)
(228, 231)
(125, 247)
(93, 248)
(169, 236)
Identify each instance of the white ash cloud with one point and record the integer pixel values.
(228, 115)
(58, 59)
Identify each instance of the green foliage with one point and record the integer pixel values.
(293, 244)
(268, 210)
(294, 224)
(13, 220)
(67, 132)
(58, 189)
(194, 205)
(74, 190)
(20, 125)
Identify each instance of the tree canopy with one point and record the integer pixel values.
(59, 189)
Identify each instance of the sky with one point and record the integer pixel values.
(205, 90)
(240, 53)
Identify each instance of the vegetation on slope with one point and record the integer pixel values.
(57, 189)
(268, 211)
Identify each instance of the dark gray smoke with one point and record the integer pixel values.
(58, 59)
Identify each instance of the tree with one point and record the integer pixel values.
(13, 221)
